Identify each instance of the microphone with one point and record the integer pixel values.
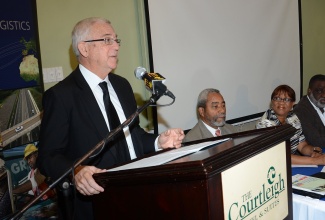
(153, 82)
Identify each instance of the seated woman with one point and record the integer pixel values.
(282, 100)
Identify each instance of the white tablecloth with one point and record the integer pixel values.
(306, 208)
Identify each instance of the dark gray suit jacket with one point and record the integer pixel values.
(312, 126)
(73, 124)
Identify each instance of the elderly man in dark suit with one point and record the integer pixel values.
(77, 116)
(310, 111)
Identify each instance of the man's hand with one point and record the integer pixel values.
(85, 182)
(171, 138)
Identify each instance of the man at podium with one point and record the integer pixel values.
(81, 110)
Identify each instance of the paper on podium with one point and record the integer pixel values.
(167, 156)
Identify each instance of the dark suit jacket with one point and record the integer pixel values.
(312, 126)
(73, 124)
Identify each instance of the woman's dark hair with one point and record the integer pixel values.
(284, 89)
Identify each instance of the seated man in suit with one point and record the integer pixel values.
(211, 110)
(310, 111)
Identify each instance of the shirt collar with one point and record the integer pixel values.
(92, 79)
(211, 129)
(315, 107)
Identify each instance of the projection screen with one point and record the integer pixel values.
(243, 48)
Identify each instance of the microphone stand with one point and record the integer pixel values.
(109, 136)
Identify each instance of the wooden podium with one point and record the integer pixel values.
(246, 177)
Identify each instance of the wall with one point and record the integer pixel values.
(313, 31)
(56, 19)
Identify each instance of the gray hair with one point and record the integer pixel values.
(203, 97)
(82, 30)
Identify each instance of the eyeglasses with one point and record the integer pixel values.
(108, 40)
(278, 99)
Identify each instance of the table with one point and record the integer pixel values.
(306, 208)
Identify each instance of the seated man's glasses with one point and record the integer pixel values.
(278, 99)
(107, 40)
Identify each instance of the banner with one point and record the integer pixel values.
(21, 84)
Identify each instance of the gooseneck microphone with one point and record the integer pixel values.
(153, 82)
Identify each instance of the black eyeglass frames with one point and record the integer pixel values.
(107, 40)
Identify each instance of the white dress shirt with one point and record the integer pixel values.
(93, 81)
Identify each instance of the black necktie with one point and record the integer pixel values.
(322, 110)
(123, 154)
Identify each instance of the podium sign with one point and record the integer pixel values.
(257, 188)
